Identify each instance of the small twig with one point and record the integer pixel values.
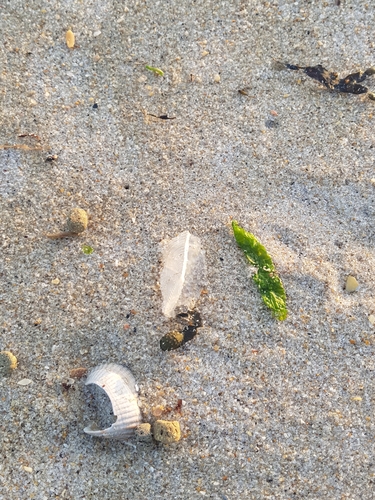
(34, 136)
(245, 92)
(21, 146)
(162, 117)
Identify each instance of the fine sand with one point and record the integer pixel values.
(279, 410)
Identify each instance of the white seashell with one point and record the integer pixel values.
(119, 384)
(183, 272)
(25, 381)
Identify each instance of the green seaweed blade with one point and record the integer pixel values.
(269, 284)
(272, 292)
(255, 252)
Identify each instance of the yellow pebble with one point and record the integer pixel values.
(70, 39)
(8, 362)
(351, 284)
(143, 432)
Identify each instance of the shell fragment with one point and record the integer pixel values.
(119, 385)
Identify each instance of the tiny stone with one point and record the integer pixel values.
(217, 78)
(51, 158)
(143, 432)
(77, 221)
(157, 411)
(371, 319)
(8, 362)
(167, 431)
(70, 39)
(351, 284)
(97, 33)
(56, 281)
(24, 381)
(77, 372)
(27, 469)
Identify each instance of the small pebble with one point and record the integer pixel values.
(143, 432)
(70, 39)
(77, 221)
(351, 284)
(157, 411)
(371, 319)
(217, 78)
(77, 372)
(51, 158)
(25, 381)
(166, 431)
(56, 281)
(27, 469)
(8, 362)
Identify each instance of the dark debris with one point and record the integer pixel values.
(349, 84)
(163, 117)
(174, 340)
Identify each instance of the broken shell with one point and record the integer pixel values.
(77, 221)
(8, 362)
(167, 431)
(143, 432)
(119, 384)
(172, 340)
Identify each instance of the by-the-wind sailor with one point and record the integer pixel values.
(119, 385)
(183, 273)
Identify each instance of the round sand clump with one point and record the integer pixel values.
(143, 432)
(77, 221)
(8, 362)
(166, 431)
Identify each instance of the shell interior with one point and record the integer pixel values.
(119, 384)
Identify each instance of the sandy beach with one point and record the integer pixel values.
(270, 409)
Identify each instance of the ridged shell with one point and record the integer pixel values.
(119, 384)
